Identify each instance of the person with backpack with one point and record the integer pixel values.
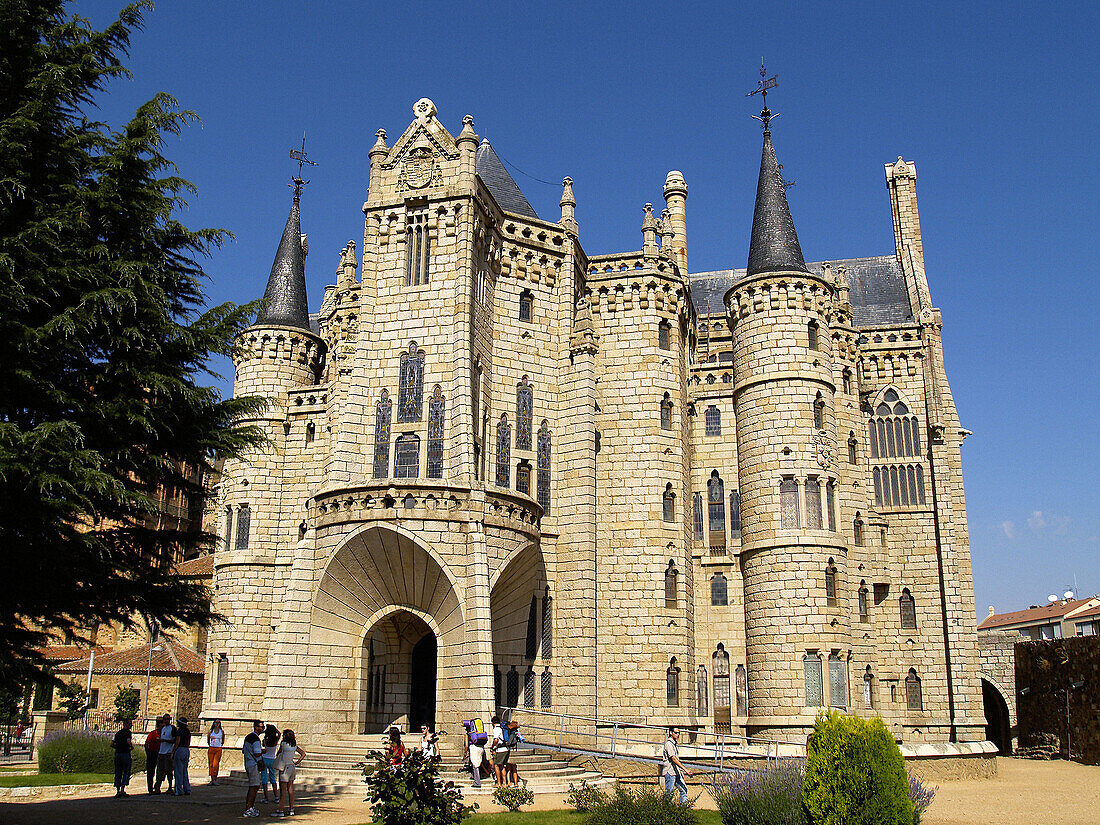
(123, 746)
(476, 740)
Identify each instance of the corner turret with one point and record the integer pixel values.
(774, 245)
(284, 303)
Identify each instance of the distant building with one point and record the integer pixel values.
(1061, 618)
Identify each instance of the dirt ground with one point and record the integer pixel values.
(1022, 793)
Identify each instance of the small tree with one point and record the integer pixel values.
(412, 793)
(126, 703)
(72, 699)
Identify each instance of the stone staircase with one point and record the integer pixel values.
(331, 768)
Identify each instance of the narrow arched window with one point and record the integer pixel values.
(846, 378)
(701, 690)
(406, 456)
(908, 609)
(228, 534)
(543, 467)
(741, 689)
(547, 625)
(813, 503)
(498, 693)
(857, 531)
(830, 584)
(830, 504)
(864, 602)
(418, 247)
(819, 413)
(713, 421)
(671, 587)
(672, 683)
(547, 689)
(311, 432)
(382, 436)
(512, 687)
(525, 410)
(814, 688)
(221, 683)
(735, 514)
(666, 413)
(504, 452)
(716, 510)
(668, 504)
(788, 503)
(529, 688)
(526, 302)
(811, 335)
(663, 330)
(838, 681)
(523, 478)
(533, 621)
(851, 448)
(244, 522)
(718, 591)
(435, 433)
(913, 698)
(868, 689)
(720, 663)
(410, 391)
(697, 515)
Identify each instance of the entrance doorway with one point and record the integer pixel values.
(422, 672)
(997, 728)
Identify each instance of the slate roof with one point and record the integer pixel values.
(500, 183)
(878, 292)
(1032, 615)
(171, 659)
(774, 243)
(284, 302)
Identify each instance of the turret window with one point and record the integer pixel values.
(868, 689)
(741, 688)
(857, 531)
(668, 504)
(864, 602)
(908, 608)
(811, 335)
(244, 522)
(830, 584)
(663, 330)
(813, 504)
(525, 410)
(418, 247)
(523, 478)
(838, 681)
(830, 504)
(819, 412)
(735, 514)
(666, 413)
(846, 379)
(382, 436)
(406, 456)
(788, 504)
(914, 700)
(504, 452)
(221, 683)
(410, 395)
(697, 515)
(672, 683)
(811, 674)
(526, 302)
(543, 467)
(435, 433)
(701, 690)
(228, 535)
(851, 447)
(713, 421)
(716, 510)
(671, 584)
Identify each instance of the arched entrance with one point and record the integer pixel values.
(422, 684)
(998, 730)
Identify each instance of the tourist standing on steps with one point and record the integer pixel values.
(253, 757)
(512, 738)
(123, 746)
(427, 745)
(152, 748)
(267, 768)
(215, 739)
(395, 749)
(475, 744)
(672, 769)
(181, 757)
(290, 756)
(500, 749)
(164, 755)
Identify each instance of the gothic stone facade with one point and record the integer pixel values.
(504, 472)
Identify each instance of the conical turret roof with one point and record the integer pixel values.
(284, 302)
(774, 245)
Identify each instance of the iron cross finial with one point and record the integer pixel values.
(766, 115)
(303, 159)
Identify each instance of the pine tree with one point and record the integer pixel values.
(104, 340)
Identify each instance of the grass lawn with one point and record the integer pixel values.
(40, 779)
(564, 817)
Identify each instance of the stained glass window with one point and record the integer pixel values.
(410, 395)
(701, 690)
(718, 590)
(913, 698)
(788, 503)
(672, 683)
(435, 433)
(244, 519)
(812, 677)
(547, 686)
(406, 456)
(382, 436)
(713, 421)
(228, 528)
(735, 514)
(838, 681)
(668, 504)
(697, 515)
(813, 503)
(523, 478)
(543, 467)
(741, 687)
(716, 510)
(525, 408)
(504, 452)
(908, 610)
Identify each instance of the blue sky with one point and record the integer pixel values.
(995, 102)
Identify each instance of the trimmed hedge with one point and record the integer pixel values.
(78, 751)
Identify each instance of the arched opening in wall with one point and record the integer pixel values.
(522, 625)
(422, 683)
(998, 728)
(398, 684)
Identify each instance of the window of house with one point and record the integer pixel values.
(221, 683)
(93, 699)
(525, 410)
(547, 689)
(908, 610)
(410, 394)
(716, 510)
(830, 584)
(382, 436)
(864, 602)
(406, 456)
(543, 467)
(526, 301)
(813, 503)
(720, 663)
(814, 689)
(418, 247)
(244, 522)
(811, 335)
(697, 515)
(666, 413)
(671, 577)
(713, 421)
(701, 691)
(913, 698)
(718, 591)
(504, 452)
(523, 478)
(838, 681)
(1086, 628)
(672, 683)
(819, 413)
(668, 504)
(435, 433)
(735, 514)
(663, 335)
(788, 503)
(547, 624)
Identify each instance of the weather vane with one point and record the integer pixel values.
(303, 159)
(766, 116)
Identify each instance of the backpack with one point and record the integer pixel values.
(478, 736)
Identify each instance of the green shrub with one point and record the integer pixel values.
(855, 774)
(583, 798)
(78, 751)
(72, 699)
(647, 806)
(513, 796)
(772, 796)
(412, 793)
(126, 703)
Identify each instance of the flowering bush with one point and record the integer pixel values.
(79, 751)
(769, 797)
(921, 796)
(412, 793)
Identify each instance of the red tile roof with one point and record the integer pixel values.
(169, 659)
(1087, 614)
(66, 653)
(1033, 615)
(200, 567)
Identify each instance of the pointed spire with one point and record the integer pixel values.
(284, 302)
(774, 245)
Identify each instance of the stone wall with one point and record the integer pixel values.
(1043, 671)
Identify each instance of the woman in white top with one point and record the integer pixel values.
(427, 746)
(214, 741)
(290, 756)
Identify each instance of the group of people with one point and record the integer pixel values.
(396, 750)
(271, 758)
(494, 747)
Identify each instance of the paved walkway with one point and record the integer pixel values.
(1022, 793)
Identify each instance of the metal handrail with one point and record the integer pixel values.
(624, 744)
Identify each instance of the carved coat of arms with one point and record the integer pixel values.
(419, 167)
(826, 449)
